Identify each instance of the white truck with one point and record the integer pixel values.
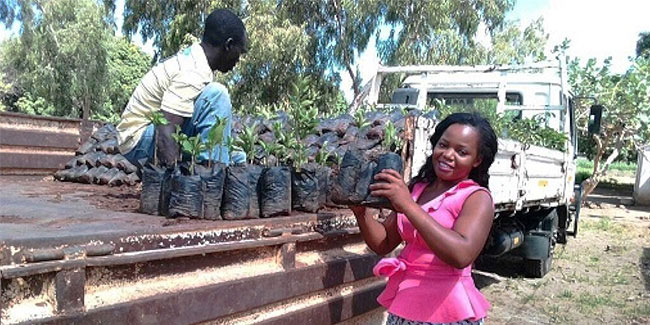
(533, 187)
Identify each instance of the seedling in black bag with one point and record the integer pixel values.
(215, 138)
(193, 146)
(247, 142)
(179, 137)
(157, 119)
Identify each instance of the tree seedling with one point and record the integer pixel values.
(323, 155)
(193, 146)
(157, 119)
(392, 141)
(247, 142)
(179, 137)
(215, 138)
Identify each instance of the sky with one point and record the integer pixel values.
(596, 28)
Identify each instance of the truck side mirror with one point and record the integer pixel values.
(595, 114)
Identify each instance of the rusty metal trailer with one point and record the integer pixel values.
(64, 260)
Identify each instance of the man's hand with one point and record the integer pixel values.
(167, 147)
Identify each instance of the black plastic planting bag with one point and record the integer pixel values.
(240, 200)
(213, 179)
(254, 175)
(186, 199)
(151, 200)
(355, 175)
(236, 194)
(305, 191)
(386, 161)
(323, 175)
(275, 192)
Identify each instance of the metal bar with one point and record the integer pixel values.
(476, 68)
(69, 289)
(211, 302)
(14, 271)
(335, 309)
(41, 139)
(287, 256)
(35, 160)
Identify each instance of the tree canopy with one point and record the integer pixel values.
(67, 61)
(626, 119)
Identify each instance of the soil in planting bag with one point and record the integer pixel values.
(109, 161)
(213, 179)
(305, 191)
(93, 158)
(186, 199)
(119, 179)
(275, 192)
(78, 172)
(131, 179)
(107, 176)
(107, 131)
(72, 163)
(153, 178)
(98, 172)
(236, 193)
(62, 175)
(87, 147)
(388, 160)
(108, 146)
(124, 165)
(254, 173)
(348, 184)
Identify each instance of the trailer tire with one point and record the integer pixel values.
(537, 268)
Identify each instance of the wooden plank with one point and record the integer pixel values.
(52, 161)
(39, 139)
(211, 302)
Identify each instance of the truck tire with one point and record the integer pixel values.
(537, 268)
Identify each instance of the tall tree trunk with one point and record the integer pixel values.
(589, 184)
(85, 115)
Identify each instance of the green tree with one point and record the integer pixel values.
(126, 64)
(625, 122)
(66, 61)
(643, 44)
(511, 45)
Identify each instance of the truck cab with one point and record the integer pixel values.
(532, 185)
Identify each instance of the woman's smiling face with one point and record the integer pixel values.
(456, 153)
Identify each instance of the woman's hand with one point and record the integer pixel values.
(393, 188)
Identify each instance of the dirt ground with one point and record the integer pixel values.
(600, 277)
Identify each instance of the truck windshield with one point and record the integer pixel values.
(482, 102)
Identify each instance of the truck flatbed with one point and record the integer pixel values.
(81, 253)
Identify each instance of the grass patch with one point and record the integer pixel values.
(588, 302)
(556, 314)
(642, 310)
(566, 294)
(612, 279)
(604, 224)
(618, 166)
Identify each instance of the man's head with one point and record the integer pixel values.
(224, 39)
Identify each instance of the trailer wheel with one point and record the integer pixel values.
(537, 268)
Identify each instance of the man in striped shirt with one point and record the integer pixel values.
(182, 87)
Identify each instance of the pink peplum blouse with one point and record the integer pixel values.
(421, 287)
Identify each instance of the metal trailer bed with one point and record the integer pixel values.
(66, 259)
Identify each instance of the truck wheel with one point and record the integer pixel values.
(537, 268)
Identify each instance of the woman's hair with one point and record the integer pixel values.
(487, 148)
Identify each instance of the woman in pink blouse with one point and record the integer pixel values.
(445, 216)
